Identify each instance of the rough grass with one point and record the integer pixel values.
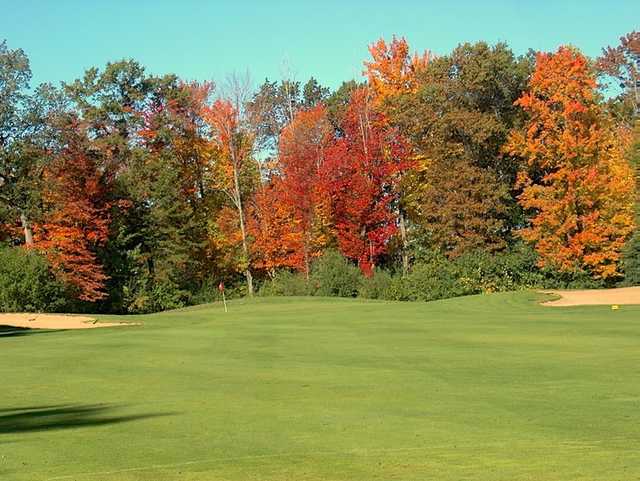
(479, 388)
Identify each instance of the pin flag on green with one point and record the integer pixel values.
(224, 300)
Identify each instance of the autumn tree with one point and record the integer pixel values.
(14, 80)
(360, 171)
(234, 167)
(338, 103)
(303, 149)
(290, 219)
(278, 239)
(168, 188)
(393, 70)
(577, 187)
(458, 195)
(78, 216)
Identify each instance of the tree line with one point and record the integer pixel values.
(433, 176)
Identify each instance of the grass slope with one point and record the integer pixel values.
(479, 388)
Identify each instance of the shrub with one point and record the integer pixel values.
(333, 275)
(433, 277)
(142, 295)
(481, 271)
(569, 280)
(27, 284)
(286, 283)
(376, 286)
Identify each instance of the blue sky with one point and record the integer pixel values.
(328, 39)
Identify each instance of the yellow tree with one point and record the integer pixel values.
(576, 186)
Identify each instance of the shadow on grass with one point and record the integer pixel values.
(10, 331)
(44, 418)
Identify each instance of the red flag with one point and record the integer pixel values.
(221, 286)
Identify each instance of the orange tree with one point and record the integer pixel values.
(78, 216)
(576, 186)
(303, 148)
(393, 70)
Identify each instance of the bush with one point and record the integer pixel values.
(27, 284)
(286, 283)
(142, 295)
(570, 280)
(433, 277)
(376, 286)
(516, 269)
(333, 275)
(208, 291)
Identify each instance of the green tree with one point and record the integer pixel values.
(274, 105)
(458, 198)
(24, 140)
(619, 68)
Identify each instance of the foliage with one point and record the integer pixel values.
(338, 103)
(275, 105)
(27, 284)
(393, 70)
(577, 186)
(78, 217)
(234, 166)
(333, 275)
(277, 235)
(360, 174)
(26, 138)
(376, 286)
(457, 118)
(431, 278)
(621, 64)
(287, 283)
(303, 149)
(145, 191)
(631, 260)
(481, 272)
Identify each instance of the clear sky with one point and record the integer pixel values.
(326, 38)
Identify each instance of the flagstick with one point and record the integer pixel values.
(224, 300)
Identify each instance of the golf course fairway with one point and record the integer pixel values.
(492, 387)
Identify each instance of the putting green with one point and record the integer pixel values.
(491, 387)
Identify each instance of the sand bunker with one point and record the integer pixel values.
(53, 321)
(592, 297)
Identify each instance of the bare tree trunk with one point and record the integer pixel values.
(306, 262)
(243, 232)
(405, 244)
(28, 234)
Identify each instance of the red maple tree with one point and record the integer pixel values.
(360, 175)
(302, 152)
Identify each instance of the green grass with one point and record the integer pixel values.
(490, 387)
